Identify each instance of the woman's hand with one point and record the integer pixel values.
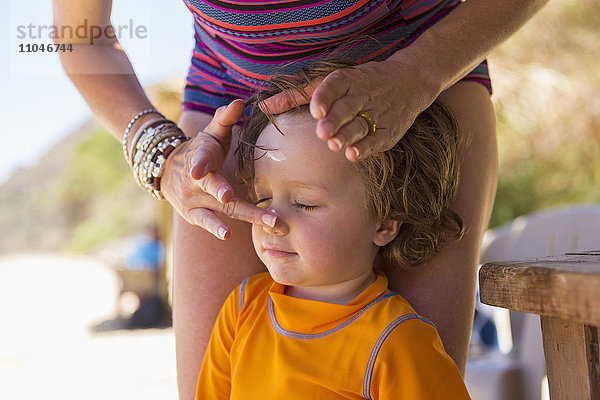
(193, 184)
(391, 91)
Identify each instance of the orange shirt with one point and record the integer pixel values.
(266, 345)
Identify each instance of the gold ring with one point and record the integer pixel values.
(367, 117)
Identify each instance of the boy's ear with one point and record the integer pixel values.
(386, 232)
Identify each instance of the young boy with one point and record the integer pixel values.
(322, 323)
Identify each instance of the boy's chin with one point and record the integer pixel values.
(281, 277)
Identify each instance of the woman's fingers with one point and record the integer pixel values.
(371, 144)
(224, 120)
(282, 102)
(390, 104)
(207, 220)
(217, 186)
(350, 133)
(193, 184)
(341, 113)
(208, 157)
(206, 217)
(335, 86)
(215, 140)
(244, 211)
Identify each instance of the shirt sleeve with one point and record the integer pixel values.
(214, 381)
(412, 364)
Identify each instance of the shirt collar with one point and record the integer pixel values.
(301, 316)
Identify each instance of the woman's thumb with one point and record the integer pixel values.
(225, 118)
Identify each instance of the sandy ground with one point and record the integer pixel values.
(47, 350)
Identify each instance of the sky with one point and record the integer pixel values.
(38, 103)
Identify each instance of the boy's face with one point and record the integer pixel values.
(324, 234)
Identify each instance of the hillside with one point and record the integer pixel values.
(80, 194)
(65, 203)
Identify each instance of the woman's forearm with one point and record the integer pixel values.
(458, 43)
(105, 78)
(100, 68)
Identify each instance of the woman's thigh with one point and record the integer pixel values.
(444, 289)
(206, 269)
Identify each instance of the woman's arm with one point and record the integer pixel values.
(395, 91)
(105, 78)
(101, 71)
(440, 57)
(458, 43)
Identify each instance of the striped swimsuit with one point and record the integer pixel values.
(241, 43)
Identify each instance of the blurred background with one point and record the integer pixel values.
(69, 231)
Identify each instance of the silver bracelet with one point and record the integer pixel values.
(153, 179)
(142, 153)
(155, 171)
(141, 135)
(130, 125)
(150, 151)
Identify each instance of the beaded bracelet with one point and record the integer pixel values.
(149, 151)
(146, 148)
(130, 125)
(143, 135)
(149, 139)
(151, 167)
(159, 165)
(150, 179)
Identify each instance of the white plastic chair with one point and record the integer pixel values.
(518, 374)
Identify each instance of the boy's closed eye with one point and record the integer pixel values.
(302, 206)
(265, 201)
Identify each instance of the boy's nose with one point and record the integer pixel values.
(280, 228)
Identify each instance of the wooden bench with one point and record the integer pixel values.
(565, 292)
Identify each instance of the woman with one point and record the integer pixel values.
(430, 63)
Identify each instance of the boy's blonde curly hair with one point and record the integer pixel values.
(412, 183)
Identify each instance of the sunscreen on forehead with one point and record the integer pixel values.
(275, 155)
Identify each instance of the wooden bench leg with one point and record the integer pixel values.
(572, 362)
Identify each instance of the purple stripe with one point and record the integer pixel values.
(297, 335)
(308, 27)
(386, 332)
(242, 292)
(318, 3)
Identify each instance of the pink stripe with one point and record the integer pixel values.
(238, 45)
(375, 15)
(256, 2)
(269, 11)
(284, 25)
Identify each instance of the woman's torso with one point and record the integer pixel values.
(241, 43)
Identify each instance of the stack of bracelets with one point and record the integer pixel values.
(150, 148)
